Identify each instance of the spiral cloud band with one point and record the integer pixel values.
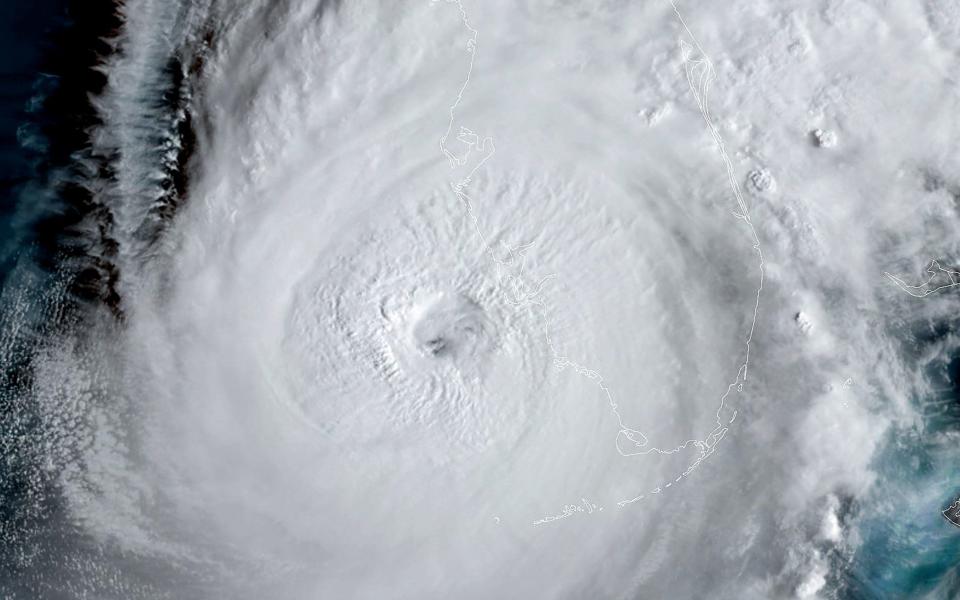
(498, 300)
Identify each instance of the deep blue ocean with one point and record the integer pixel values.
(908, 549)
(28, 40)
(46, 50)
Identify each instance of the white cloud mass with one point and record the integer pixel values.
(339, 378)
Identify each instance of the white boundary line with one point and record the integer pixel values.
(953, 510)
(630, 442)
(922, 291)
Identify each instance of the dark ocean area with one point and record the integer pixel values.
(49, 49)
(28, 42)
(46, 267)
(55, 250)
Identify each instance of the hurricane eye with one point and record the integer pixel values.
(436, 346)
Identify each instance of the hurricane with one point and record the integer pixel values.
(500, 299)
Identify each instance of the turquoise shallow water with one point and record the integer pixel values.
(909, 549)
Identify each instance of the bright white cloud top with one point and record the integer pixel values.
(509, 299)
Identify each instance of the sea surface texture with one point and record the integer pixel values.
(479, 299)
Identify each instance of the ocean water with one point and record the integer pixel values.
(50, 49)
(47, 51)
(908, 548)
(28, 39)
(136, 383)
